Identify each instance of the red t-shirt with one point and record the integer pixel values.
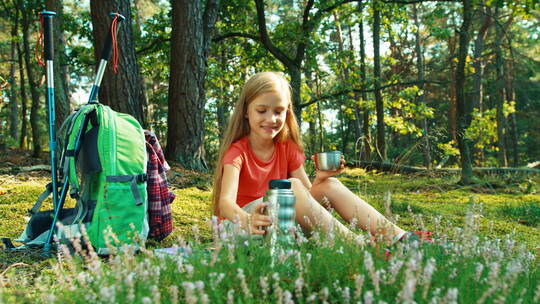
(255, 173)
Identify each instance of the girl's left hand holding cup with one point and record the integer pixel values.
(321, 175)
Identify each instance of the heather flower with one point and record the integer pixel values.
(370, 266)
(230, 296)
(243, 283)
(368, 297)
(173, 292)
(189, 295)
(359, 283)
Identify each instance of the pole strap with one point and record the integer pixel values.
(39, 42)
(114, 43)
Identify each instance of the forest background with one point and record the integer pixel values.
(422, 83)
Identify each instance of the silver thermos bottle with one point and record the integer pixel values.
(281, 208)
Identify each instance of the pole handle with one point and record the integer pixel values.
(48, 34)
(107, 47)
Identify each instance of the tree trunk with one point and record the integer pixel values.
(191, 35)
(123, 92)
(61, 73)
(381, 142)
(464, 109)
(510, 96)
(420, 67)
(14, 106)
(22, 81)
(477, 95)
(452, 110)
(296, 83)
(222, 112)
(363, 79)
(499, 63)
(35, 117)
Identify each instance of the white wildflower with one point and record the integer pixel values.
(368, 297)
(324, 295)
(479, 269)
(346, 295)
(426, 278)
(287, 297)
(146, 300)
(230, 296)
(298, 286)
(263, 281)
(189, 292)
(359, 283)
(243, 283)
(173, 292)
(370, 266)
(156, 295)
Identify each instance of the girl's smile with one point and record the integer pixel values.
(266, 115)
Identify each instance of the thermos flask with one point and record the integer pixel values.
(281, 207)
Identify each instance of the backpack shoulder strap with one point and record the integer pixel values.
(74, 145)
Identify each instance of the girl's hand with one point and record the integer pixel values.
(321, 175)
(257, 220)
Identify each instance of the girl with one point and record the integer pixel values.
(262, 142)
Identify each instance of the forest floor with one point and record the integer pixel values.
(505, 204)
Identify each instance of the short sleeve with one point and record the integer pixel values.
(233, 156)
(295, 156)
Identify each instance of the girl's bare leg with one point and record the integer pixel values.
(350, 206)
(310, 213)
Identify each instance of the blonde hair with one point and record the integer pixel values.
(238, 125)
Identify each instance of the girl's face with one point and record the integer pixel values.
(266, 115)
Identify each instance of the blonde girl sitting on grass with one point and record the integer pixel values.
(262, 142)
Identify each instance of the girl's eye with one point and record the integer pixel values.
(278, 113)
(261, 111)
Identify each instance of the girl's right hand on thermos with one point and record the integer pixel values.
(258, 220)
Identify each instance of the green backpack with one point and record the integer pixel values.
(106, 172)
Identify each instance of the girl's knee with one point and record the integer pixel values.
(330, 183)
(296, 185)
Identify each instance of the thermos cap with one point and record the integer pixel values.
(279, 184)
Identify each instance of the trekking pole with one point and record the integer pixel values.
(110, 44)
(46, 20)
(105, 54)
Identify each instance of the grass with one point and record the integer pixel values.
(488, 247)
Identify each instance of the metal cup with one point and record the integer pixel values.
(328, 161)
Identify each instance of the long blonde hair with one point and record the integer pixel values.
(238, 125)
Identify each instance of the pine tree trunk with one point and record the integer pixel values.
(35, 117)
(363, 79)
(499, 63)
(24, 110)
(381, 142)
(464, 109)
(420, 67)
(122, 91)
(14, 105)
(191, 35)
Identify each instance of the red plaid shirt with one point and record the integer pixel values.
(159, 196)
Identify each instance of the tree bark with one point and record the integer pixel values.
(363, 78)
(477, 95)
(14, 106)
(61, 73)
(464, 109)
(510, 96)
(192, 31)
(381, 141)
(420, 67)
(501, 119)
(123, 91)
(24, 112)
(35, 117)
